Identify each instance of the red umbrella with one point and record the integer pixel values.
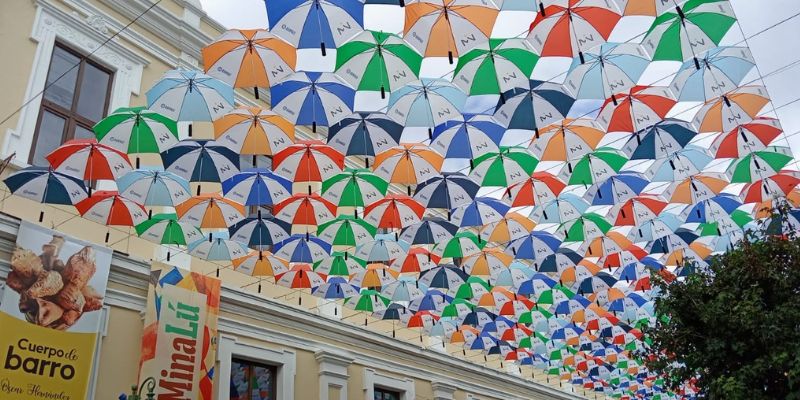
(417, 259)
(746, 138)
(639, 108)
(308, 161)
(568, 31)
(639, 209)
(109, 208)
(779, 185)
(540, 188)
(300, 276)
(305, 209)
(394, 211)
(88, 160)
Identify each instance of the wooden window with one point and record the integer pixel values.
(252, 381)
(75, 98)
(386, 394)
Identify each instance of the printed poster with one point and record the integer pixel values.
(179, 342)
(50, 312)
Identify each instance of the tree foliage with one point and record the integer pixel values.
(733, 330)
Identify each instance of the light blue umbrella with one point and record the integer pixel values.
(468, 136)
(606, 70)
(565, 208)
(513, 276)
(426, 103)
(661, 226)
(152, 187)
(218, 248)
(322, 24)
(385, 247)
(679, 166)
(185, 95)
(722, 69)
(313, 98)
(406, 289)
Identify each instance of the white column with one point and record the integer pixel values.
(332, 373)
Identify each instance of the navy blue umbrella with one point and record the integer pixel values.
(534, 107)
(201, 161)
(660, 140)
(448, 191)
(430, 230)
(364, 134)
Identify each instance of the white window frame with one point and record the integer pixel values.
(284, 361)
(403, 385)
(81, 33)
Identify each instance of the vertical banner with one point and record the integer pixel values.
(50, 315)
(179, 344)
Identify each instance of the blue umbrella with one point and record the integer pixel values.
(479, 317)
(315, 23)
(154, 188)
(426, 103)
(617, 189)
(364, 134)
(450, 190)
(663, 225)
(564, 208)
(479, 212)
(432, 300)
(201, 161)
(257, 187)
(602, 281)
(184, 95)
(535, 246)
(430, 230)
(560, 260)
(46, 186)
(302, 249)
(680, 165)
(312, 98)
(660, 140)
(260, 233)
(444, 277)
(605, 70)
(536, 285)
(336, 287)
(404, 289)
(469, 136)
(721, 70)
(717, 210)
(537, 106)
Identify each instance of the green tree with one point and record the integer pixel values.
(733, 329)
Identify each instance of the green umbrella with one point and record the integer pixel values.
(596, 167)
(510, 166)
(495, 67)
(339, 264)
(587, 227)
(527, 343)
(686, 31)
(166, 229)
(461, 245)
(368, 301)
(346, 230)
(137, 130)
(473, 284)
(759, 165)
(354, 188)
(377, 61)
(554, 295)
(457, 308)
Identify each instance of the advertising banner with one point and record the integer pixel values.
(179, 341)
(50, 314)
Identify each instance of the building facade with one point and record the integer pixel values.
(297, 351)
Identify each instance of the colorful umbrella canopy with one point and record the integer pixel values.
(447, 191)
(154, 188)
(426, 103)
(511, 227)
(354, 188)
(217, 249)
(448, 28)
(260, 233)
(596, 166)
(732, 109)
(760, 164)
(660, 141)
(250, 58)
(308, 161)
(184, 95)
(460, 245)
(568, 28)
(137, 130)
(443, 277)
(210, 211)
(300, 276)
(430, 230)
(535, 106)
(323, 24)
(47, 186)
(394, 212)
(775, 186)
(495, 67)
(636, 109)
(253, 131)
(201, 161)
(617, 189)
(88, 160)
(509, 166)
(345, 230)
(302, 249)
(305, 209)
(479, 212)
(339, 264)
(408, 164)
(110, 208)
(721, 69)
(540, 187)
(383, 248)
(257, 187)
(605, 70)
(368, 301)
(684, 32)
(567, 140)
(166, 229)
(377, 61)
(469, 136)
(365, 134)
(746, 138)
(375, 275)
(260, 264)
(335, 288)
(313, 98)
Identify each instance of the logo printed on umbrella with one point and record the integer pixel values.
(277, 71)
(399, 75)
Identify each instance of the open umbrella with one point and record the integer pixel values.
(606, 69)
(46, 186)
(460, 245)
(308, 161)
(565, 207)
(567, 140)
(368, 301)
(375, 275)
(587, 227)
(721, 70)
(636, 109)
(313, 98)
(724, 113)
(678, 165)
(775, 186)
(300, 276)
(383, 248)
(345, 230)
(394, 212)
(260, 264)
(536, 245)
(305, 209)
(260, 233)
(308, 24)
(110, 208)
(210, 211)
(495, 67)
(448, 28)
(430, 230)
(660, 140)
(335, 287)
(746, 138)
(249, 58)
(184, 95)
(257, 187)
(365, 134)
(760, 164)
(354, 188)
(695, 188)
(511, 227)
(595, 167)
(426, 103)
(218, 249)
(302, 249)
(416, 260)
(166, 229)
(154, 188)
(443, 277)
(339, 264)
(253, 131)
(478, 212)
(650, 8)
(448, 191)
(467, 136)
(408, 164)
(684, 32)
(88, 160)
(539, 188)
(201, 161)
(638, 210)
(617, 189)
(507, 167)
(568, 28)
(137, 130)
(534, 106)
(377, 61)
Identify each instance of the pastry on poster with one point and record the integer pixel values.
(54, 293)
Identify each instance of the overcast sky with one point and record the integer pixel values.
(773, 50)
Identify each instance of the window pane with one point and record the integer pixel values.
(51, 132)
(83, 133)
(92, 97)
(240, 379)
(262, 384)
(62, 91)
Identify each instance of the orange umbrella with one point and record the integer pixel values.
(210, 211)
(375, 275)
(260, 263)
(567, 140)
(612, 242)
(249, 58)
(448, 28)
(512, 226)
(408, 164)
(254, 131)
(489, 262)
(695, 189)
(727, 112)
(578, 273)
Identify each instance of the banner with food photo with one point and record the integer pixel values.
(179, 344)
(50, 312)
